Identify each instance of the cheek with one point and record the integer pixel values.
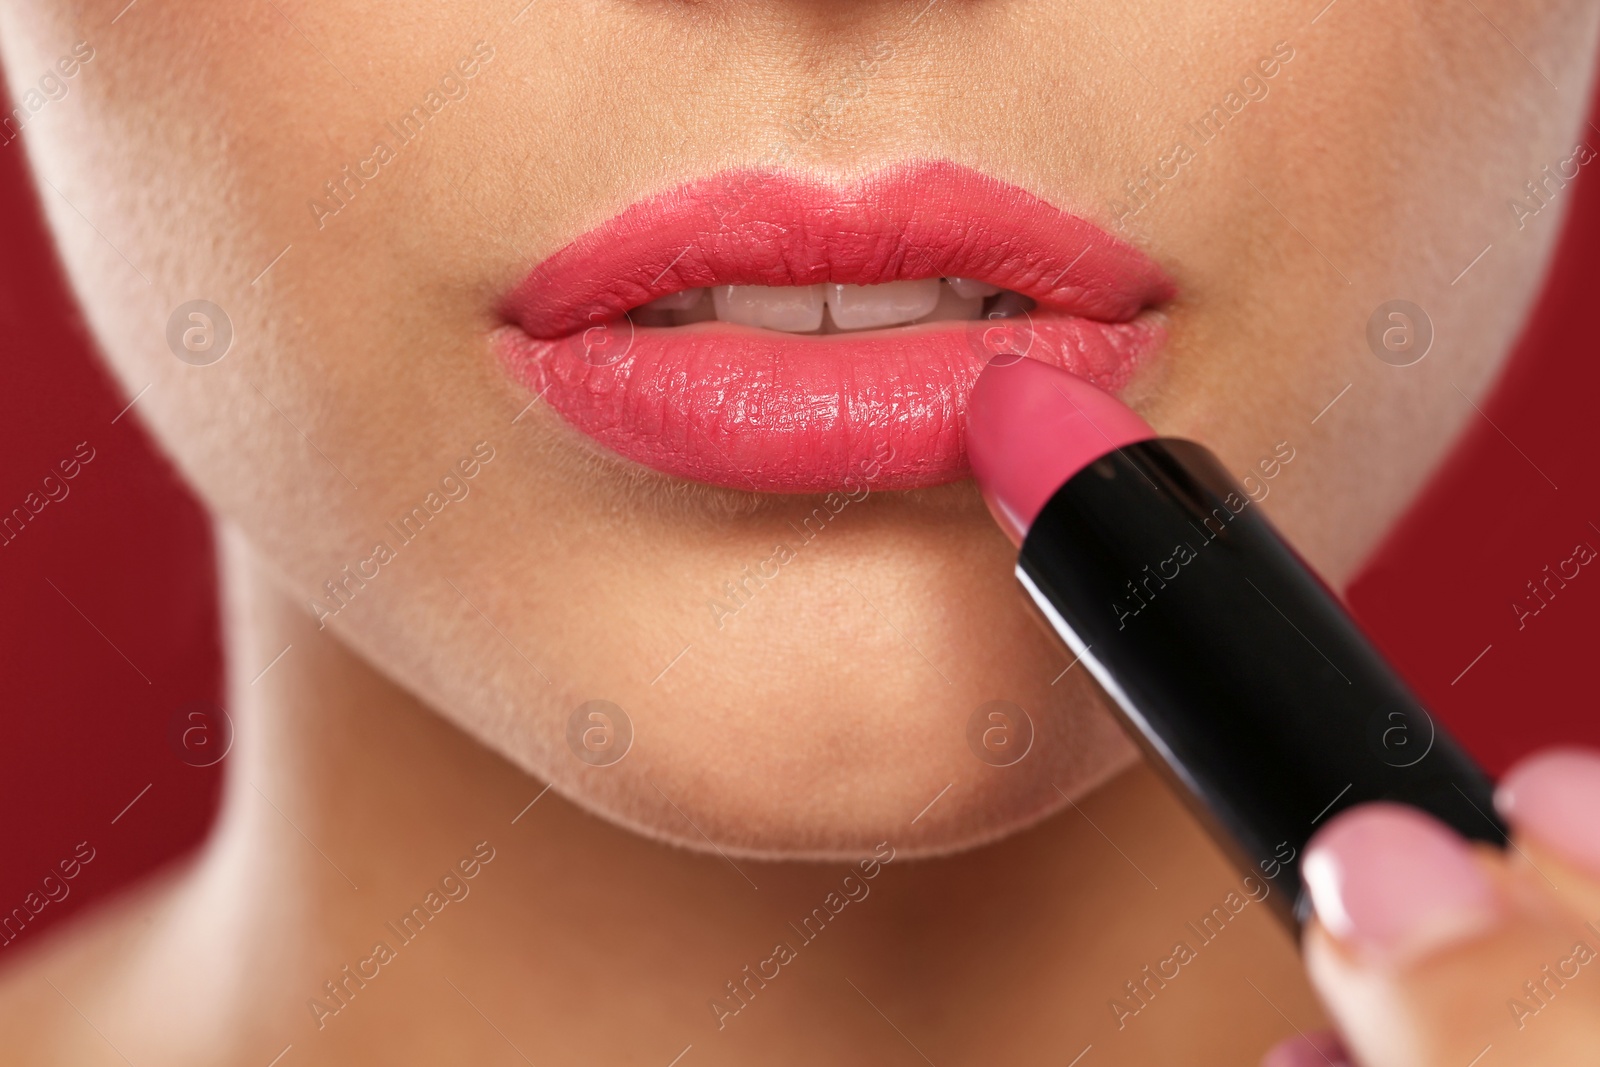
(1338, 194)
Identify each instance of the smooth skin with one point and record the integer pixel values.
(188, 159)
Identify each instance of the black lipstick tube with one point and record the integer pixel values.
(1234, 666)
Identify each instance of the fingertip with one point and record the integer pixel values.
(1319, 1049)
(1554, 796)
(1394, 884)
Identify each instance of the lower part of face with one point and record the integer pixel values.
(784, 675)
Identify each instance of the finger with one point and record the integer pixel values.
(1552, 801)
(1429, 954)
(1319, 1049)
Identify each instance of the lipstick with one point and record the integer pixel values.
(1235, 668)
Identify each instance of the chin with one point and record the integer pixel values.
(836, 795)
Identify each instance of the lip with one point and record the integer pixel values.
(770, 412)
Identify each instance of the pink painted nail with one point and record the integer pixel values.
(1320, 1049)
(1394, 884)
(1555, 797)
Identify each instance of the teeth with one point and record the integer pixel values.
(867, 307)
(953, 307)
(966, 287)
(834, 307)
(791, 308)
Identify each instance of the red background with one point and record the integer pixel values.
(94, 667)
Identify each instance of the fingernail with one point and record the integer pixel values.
(1320, 1049)
(1555, 797)
(1394, 885)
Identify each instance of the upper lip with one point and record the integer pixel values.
(774, 412)
(774, 229)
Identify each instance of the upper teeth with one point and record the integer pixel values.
(792, 309)
(866, 307)
(832, 306)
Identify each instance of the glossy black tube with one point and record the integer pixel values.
(1234, 666)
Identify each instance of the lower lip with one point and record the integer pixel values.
(1237, 670)
(777, 413)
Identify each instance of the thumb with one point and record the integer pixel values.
(1430, 953)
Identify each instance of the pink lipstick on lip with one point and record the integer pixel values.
(1228, 660)
(771, 412)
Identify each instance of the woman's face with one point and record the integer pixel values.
(365, 193)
